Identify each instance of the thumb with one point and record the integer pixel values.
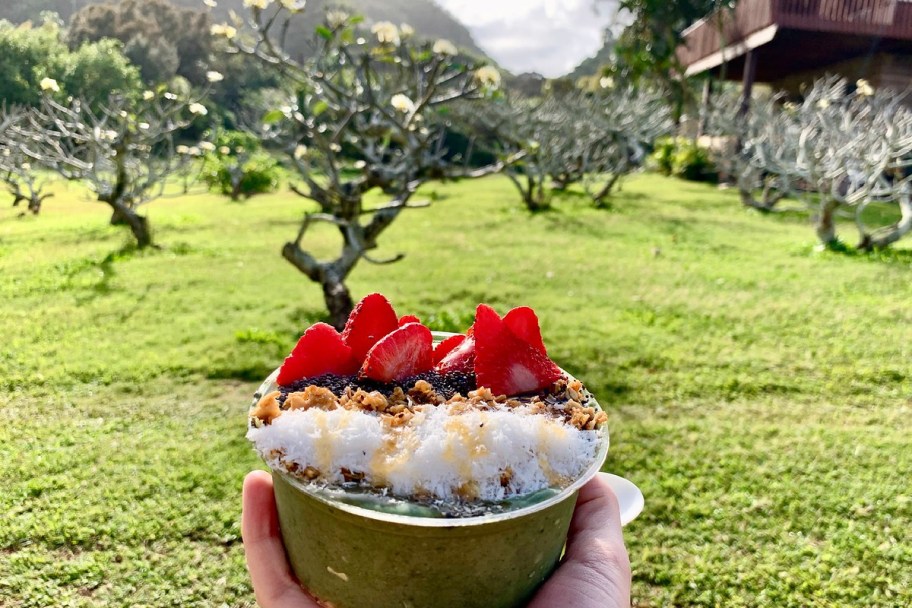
(595, 572)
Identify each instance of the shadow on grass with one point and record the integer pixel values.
(246, 371)
(841, 250)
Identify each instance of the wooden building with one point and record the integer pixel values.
(790, 42)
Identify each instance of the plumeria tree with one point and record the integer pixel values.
(842, 148)
(366, 112)
(124, 151)
(756, 149)
(25, 184)
(592, 138)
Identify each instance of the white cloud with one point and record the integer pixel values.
(546, 36)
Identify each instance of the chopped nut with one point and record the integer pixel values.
(587, 418)
(374, 400)
(267, 409)
(312, 396)
(481, 394)
(398, 396)
(506, 476)
(351, 475)
(423, 392)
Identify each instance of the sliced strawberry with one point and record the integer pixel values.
(319, 351)
(405, 352)
(506, 364)
(371, 319)
(404, 319)
(459, 359)
(446, 346)
(523, 322)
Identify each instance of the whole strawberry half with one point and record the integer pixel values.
(319, 351)
(523, 322)
(506, 363)
(402, 353)
(404, 319)
(371, 319)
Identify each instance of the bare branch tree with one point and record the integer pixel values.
(124, 151)
(570, 137)
(841, 150)
(380, 97)
(22, 180)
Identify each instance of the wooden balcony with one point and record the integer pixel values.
(795, 34)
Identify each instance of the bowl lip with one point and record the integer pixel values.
(270, 385)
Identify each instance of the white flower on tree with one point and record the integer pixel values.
(488, 76)
(213, 76)
(386, 32)
(863, 88)
(257, 4)
(336, 19)
(445, 47)
(406, 31)
(148, 96)
(402, 103)
(210, 3)
(207, 146)
(49, 84)
(198, 109)
(223, 30)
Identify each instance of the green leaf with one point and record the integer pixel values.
(320, 107)
(325, 32)
(273, 116)
(355, 20)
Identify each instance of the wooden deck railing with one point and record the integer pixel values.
(887, 18)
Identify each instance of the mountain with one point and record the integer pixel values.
(591, 65)
(428, 19)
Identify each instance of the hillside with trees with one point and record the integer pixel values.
(423, 15)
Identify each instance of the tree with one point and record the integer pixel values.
(842, 149)
(647, 46)
(92, 71)
(572, 136)
(124, 151)
(383, 103)
(16, 170)
(162, 39)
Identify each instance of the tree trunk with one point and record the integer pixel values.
(139, 225)
(338, 302)
(826, 223)
(599, 197)
(890, 234)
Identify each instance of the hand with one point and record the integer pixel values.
(595, 572)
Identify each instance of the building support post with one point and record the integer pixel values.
(747, 81)
(704, 107)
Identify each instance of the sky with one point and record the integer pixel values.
(546, 36)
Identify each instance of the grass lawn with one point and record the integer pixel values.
(759, 393)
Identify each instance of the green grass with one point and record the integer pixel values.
(758, 391)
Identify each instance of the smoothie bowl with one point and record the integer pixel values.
(419, 469)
